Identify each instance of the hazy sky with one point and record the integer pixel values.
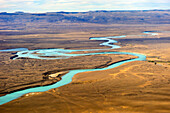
(80, 5)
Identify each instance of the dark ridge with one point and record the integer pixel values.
(8, 92)
(41, 14)
(97, 67)
(19, 20)
(13, 56)
(151, 31)
(59, 70)
(108, 63)
(144, 39)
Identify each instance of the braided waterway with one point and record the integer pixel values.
(63, 54)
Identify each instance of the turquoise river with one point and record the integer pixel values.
(63, 54)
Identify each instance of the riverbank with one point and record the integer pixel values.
(64, 53)
(85, 62)
(132, 87)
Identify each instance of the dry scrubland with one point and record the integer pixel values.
(24, 73)
(135, 87)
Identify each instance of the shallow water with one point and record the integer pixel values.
(16, 49)
(63, 53)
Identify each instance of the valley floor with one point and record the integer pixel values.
(135, 87)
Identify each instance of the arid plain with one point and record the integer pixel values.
(135, 87)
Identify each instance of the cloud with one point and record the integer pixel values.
(80, 5)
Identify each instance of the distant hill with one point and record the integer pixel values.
(99, 17)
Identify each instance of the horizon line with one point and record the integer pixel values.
(89, 11)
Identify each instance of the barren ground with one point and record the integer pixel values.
(135, 87)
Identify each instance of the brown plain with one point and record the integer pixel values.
(135, 87)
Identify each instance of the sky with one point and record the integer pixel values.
(39, 6)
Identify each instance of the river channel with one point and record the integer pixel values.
(63, 54)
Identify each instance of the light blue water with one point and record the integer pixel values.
(66, 79)
(63, 53)
(150, 33)
(16, 49)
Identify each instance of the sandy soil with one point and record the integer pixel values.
(24, 73)
(136, 87)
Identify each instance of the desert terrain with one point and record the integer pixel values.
(134, 87)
